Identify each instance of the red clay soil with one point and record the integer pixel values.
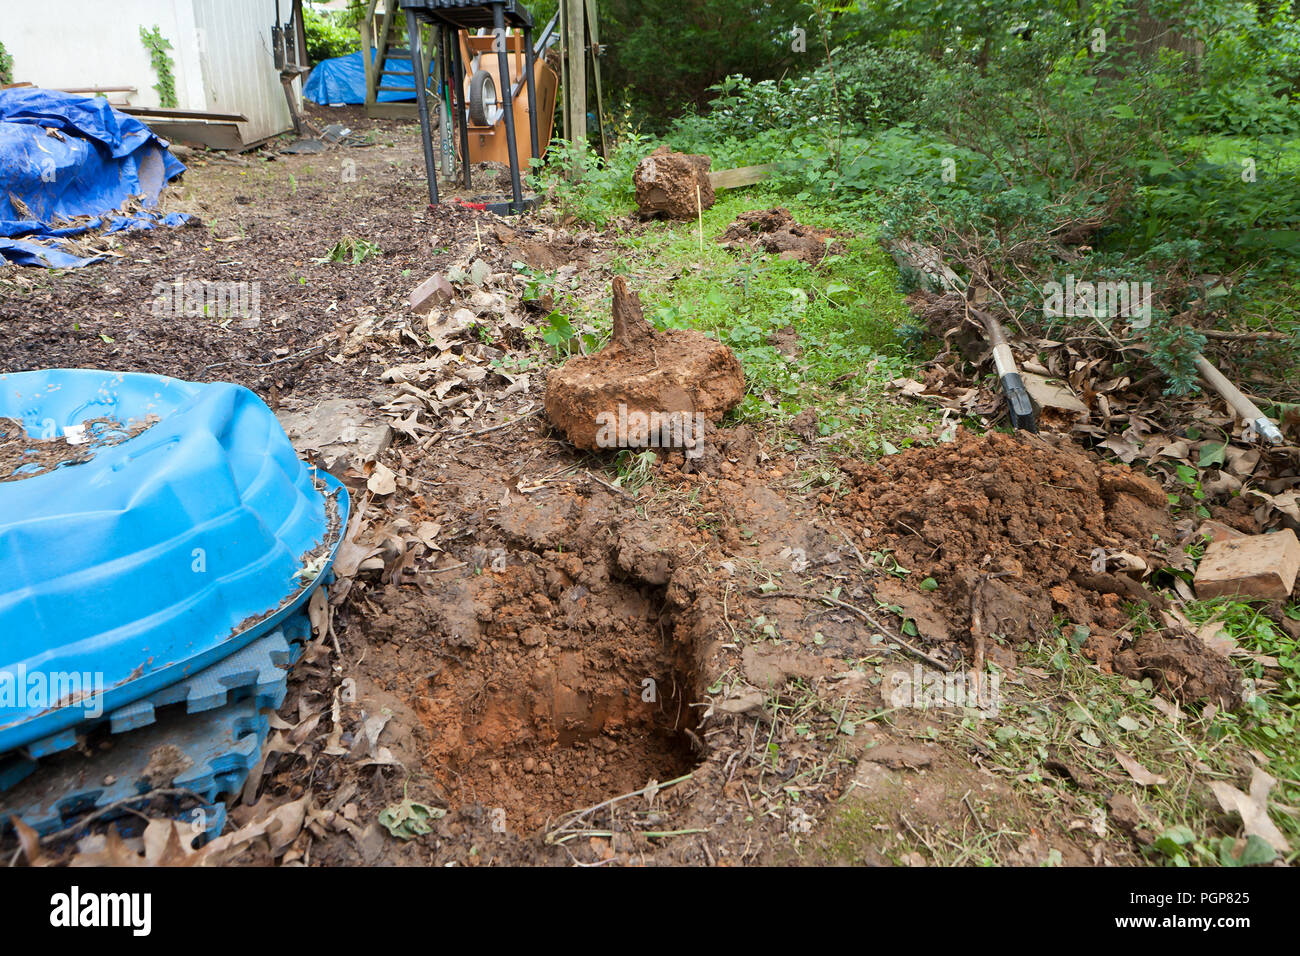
(551, 709)
(1020, 518)
(672, 185)
(680, 372)
(776, 231)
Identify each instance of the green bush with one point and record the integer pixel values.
(6, 65)
(880, 86)
(604, 189)
(329, 35)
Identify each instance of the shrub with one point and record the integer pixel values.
(328, 35)
(604, 190)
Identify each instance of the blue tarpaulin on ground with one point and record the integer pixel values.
(64, 156)
(341, 80)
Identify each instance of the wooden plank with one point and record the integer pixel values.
(575, 89)
(168, 113)
(368, 41)
(927, 261)
(211, 135)
(98, 89)
(740, 176)
(392, 111)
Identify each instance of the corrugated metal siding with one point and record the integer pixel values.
(239, 72)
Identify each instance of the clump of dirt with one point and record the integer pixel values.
(1180, 664)
(674, 185)
(776, 231)
(645, 388)
(1014, 529)
(1031, 511)
(566, 689)
(23, 456)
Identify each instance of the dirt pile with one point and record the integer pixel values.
(673, 185)
(646, 388)
(776, 231)
(1007, 532)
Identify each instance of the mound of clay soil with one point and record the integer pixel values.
(776, 231)
(597, 400)
(1008, 527)
(667, 183)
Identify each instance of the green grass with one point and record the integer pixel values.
(1074, 715)
(1091, 714)
(847, 312)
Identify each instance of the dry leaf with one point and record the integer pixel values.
(30, 841)
(170, 843)
(1139, 773)
(351, 553)
(382, 480)
(1253, 808)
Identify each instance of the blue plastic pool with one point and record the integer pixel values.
(158, 556)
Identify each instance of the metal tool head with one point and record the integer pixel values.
(1020, 407)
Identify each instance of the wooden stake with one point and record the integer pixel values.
(699, 211)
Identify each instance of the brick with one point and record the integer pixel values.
(433, 291)
(1218, 531)
(1259, 566)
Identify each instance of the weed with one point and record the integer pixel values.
(634, 470)
(162, 63)
(350, 249)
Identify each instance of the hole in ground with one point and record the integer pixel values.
(576, 691)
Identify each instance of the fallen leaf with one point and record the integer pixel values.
(382, 480)
(1139, 773)
(1253, 808)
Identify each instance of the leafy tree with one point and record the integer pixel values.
(329, 35)
(665, 56)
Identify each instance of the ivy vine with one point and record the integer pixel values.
(158, 45)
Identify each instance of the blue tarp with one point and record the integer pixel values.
(341, 80)
(156, 557)
(66, 156)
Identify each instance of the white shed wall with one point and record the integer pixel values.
(221, 49)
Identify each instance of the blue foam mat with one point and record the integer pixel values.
(212, 756)
(258, 671)
(218, 720)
